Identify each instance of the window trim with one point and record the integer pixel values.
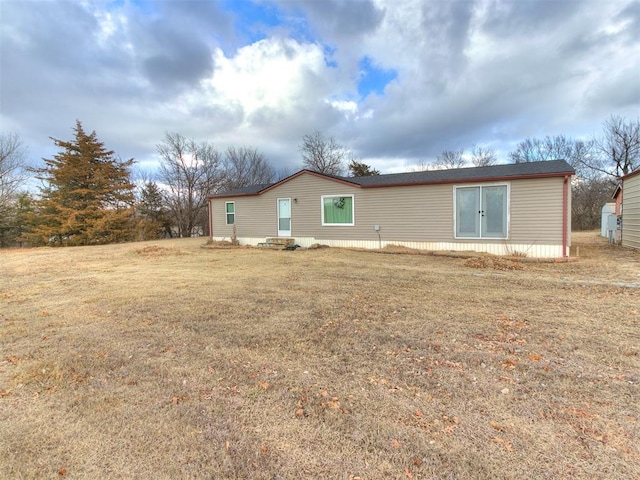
(481, 186)
(227, 213)
(353, 211)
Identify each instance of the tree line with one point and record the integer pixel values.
(88, 195)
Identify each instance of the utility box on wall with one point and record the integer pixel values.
(614, 225)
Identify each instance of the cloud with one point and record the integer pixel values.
(397, 81)
(340, 20)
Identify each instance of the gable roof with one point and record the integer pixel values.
(511, 171)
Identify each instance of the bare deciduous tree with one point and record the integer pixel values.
(244, 166)
(587, 198)
(450, 159)
(618, 148)
(323, 155)
(578, 153)
(12, 158)
(283, 172)
(558, 147)
(483, 156)
(190, 171)
(422, 166)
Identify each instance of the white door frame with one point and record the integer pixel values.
(284, 233)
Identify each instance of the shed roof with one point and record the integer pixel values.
(551, 168)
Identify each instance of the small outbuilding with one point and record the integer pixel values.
(514, 209)
(608, 210)
(630, 210)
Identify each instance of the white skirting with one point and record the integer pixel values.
(500, 247)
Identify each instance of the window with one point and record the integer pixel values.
(337, 210)
(230, 208)
(481, 212)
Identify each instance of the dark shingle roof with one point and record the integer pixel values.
(471, 174)
(553, 167)
(251, 189)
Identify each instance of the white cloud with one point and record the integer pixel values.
(274, 74)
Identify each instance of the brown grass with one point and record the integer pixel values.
(167, 360)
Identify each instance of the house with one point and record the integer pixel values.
(515, 209)
(630, 195)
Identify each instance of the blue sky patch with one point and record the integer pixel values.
(253, 19)
(257, 20)
(373, 79)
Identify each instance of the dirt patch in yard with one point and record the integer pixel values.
(156, 250)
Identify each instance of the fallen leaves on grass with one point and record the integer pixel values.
(509, 364)
(496, 426)
(507, 445)
(333, 403)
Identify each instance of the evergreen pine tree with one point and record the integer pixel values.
(88, 196)
(153, 214)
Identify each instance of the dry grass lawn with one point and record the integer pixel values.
(166, 360)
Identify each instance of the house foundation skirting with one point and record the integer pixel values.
(497, 248)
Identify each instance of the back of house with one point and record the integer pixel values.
(515, 209)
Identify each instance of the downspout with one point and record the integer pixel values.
(210, 219)
(565, 198)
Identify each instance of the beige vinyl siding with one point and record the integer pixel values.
(631, 212)
(421, 213)
(536, 210)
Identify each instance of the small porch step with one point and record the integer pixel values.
(277, 242)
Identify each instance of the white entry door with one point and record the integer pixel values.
(284, 217)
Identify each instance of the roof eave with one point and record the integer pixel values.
(631, 174)
(472, 180)
(285, 180)
(498, 178)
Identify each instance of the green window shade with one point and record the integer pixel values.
(231, 213)
(338, 210)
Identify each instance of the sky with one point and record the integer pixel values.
(396, 81)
